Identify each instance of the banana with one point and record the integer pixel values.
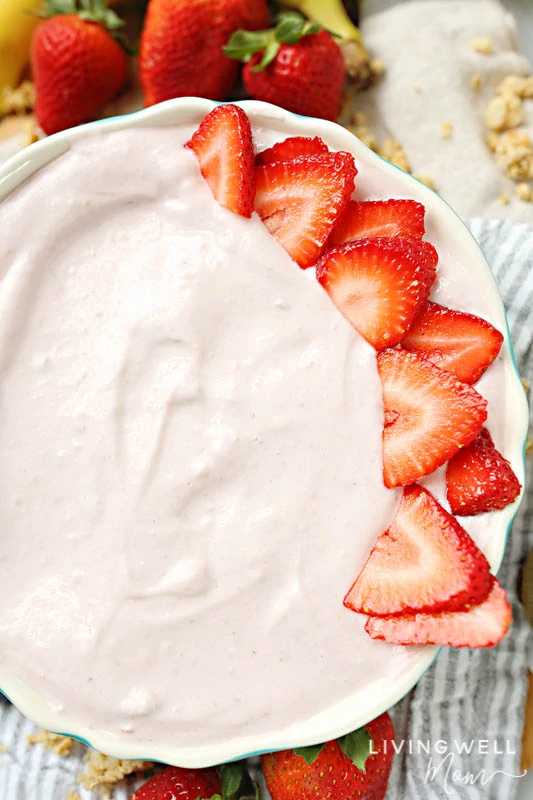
(17, 25)
(332, 15)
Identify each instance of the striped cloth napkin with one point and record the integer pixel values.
(475, 699)
(468, 699)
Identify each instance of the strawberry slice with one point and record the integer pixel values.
(455, 341)
(479, 478)
(293, 147)
(425, 561)
(379, 284)
(300, 201)
(429, 416)
(373, 218)
(483, 625)
(224, 148)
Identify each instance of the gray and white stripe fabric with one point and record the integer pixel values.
(465, 697)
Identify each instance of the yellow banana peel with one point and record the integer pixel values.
(331, 14)
(17, 24)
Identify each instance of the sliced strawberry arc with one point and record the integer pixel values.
(372, 218)
(483, 625)
(429, 416)
(425, 561)
(455, 341)
(294, 147)
(224, 148)
(379, 285)
(480, 479)
(300, 200)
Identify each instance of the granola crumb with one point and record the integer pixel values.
(482, 44)
(504, 199)
(417, 88)
(476, 82)
(3, 748)
(430, 183)
(524, 192)
(365, 136)
(504, 112)
(103, 772)
(514, 153)
(73, 796)
(519, 85)
(526, 384)
(60, 745)
(529, 446)
(446, 130)
(391, 150)
(358, 118)
(377, 67)
(20, 100)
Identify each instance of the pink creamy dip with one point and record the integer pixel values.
(190, 453)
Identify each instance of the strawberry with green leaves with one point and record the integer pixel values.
(226, 782)
(297, 65)
(78, 64)
(355, 767)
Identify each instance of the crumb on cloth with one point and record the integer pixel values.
(504, 199)
(104, 771)
(482, 44)
(525, 192)
(391, 150)
(60, 745)
(429, 182)
(73, 796)
(504, 112)
(20, 100)
(476, 82)
(3, 748)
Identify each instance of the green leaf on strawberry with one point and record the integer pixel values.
(310, 753)
(290, 28)
(358, 746)
(231, 778)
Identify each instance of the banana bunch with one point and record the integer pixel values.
(332, 15)
(17, 25)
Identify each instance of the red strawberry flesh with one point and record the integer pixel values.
(373, 218)
(300, 200)
(429, 416)
(224, 148)
(480, 479)
(379, 285)
(425, 561)
(455, 341)
(483, 625)
(294, 147)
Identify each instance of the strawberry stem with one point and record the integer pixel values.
(290, 28)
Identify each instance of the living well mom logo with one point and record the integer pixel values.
(445, 761)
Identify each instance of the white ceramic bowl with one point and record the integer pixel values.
(362, 705)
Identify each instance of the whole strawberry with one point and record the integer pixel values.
(355, 767)
(226, 782)
(181, 46)
(77, 65)
(187, 784)
(297, 65)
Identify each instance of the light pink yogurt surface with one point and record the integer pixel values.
(190, 454)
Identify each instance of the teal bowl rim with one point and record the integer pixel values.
(22, 165)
